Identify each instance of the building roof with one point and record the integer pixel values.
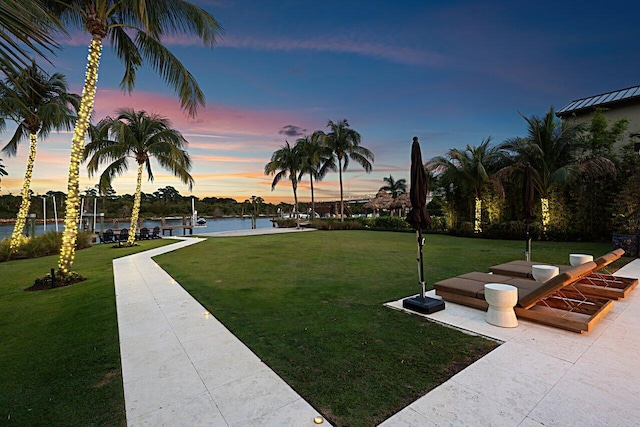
(603, 100)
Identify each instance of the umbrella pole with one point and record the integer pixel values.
(527, 249)
(420, 264)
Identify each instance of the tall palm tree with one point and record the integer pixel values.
(134, 28)
(344, 144)
(314, 153)
(26, 26)
(287, 161)
(552, 149)
(38, 103)
(141, 136)
(470, 168)
(394, 187)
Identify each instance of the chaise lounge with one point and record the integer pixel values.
(557, 302)
(595, 283)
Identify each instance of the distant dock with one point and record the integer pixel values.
(184, 226)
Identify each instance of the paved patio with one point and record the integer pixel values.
(540, 376)
(181, 367)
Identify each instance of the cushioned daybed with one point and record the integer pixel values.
(557, 302)
(595, 283)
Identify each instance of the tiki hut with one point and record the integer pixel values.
(401, 202)
(382, 201)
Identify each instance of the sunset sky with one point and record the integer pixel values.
(450, 72)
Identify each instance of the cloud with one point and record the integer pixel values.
(291, 130)
(215, 123)
(338, 44)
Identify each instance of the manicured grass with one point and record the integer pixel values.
(60, 357)
(310, 305)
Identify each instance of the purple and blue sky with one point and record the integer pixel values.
(450, 72)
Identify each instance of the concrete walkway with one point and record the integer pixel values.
(181, 367)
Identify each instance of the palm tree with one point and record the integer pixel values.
(287, 161)
(134, 28)
(344, 144)
(552, 149)
(3, 171)
(141, 136)
(469, 168)
(394, 187)
(26, 27)
(315, 154)
(38, 103)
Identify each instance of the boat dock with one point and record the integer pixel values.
(184, 226)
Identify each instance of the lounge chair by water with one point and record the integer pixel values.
(156, 233)
(124, 235)
(144, 233)
(108, 236)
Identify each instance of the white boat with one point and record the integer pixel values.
(201, 221)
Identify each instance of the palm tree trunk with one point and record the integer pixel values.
(477, 227)
(68, 248)
(313, 202)
(135, 212)
(341, 198)
(295, 203)
(26, 199)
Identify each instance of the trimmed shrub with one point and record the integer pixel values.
(336, 224)
(388, 223)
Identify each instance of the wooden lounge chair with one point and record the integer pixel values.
(595, 283)
(557, 302)
(155, 234)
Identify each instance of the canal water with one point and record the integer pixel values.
(212, 225)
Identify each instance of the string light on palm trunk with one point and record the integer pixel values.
(135, 212)
(545, 213)
(16, 236)
(478, 217)
(67, 251)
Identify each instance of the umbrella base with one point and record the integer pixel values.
(423, 305)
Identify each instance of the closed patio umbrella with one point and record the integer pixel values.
(419, 218)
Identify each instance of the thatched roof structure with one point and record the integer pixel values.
(382, 201)
(400, 202)
(327, 209)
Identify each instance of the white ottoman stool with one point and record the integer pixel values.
(501, 298)
(578, 259)
(542, 272)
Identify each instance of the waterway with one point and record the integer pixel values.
(212, 225)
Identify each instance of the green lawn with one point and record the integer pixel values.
(60, 357)
(310, 305)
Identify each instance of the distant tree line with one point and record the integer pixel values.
(165, 202)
